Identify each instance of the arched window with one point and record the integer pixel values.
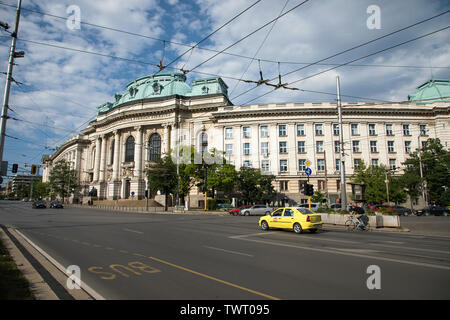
(203, 142)
(154, 147)
(129, 149)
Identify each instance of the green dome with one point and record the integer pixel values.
(434, 90)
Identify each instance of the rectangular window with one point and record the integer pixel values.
(228, 149)
(300, 130)
(228, 133)
(319, 146)
(372, 131)
(284, 185)
(337, 146)
(373, 146)
(246, 149)
(302, 165)
(354, 127)
(389, 130)
(355, 146)
(319, 129)
(283, 147)
(246, 132)
(321, 185)
(265, 166)
(406, 130)
(283, 166)
(247, 164)
(338, 185)
(392, 164)
(301, 146)
(356, 163)
(264, 131)
(320, 164)
(408, 146)
(423, 129)
(391, 146)
(374, 163)
(338, 165)
(336, 129)
(282, 131)
(264, 148)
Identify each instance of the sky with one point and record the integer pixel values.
(57, 90)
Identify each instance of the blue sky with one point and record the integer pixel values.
(62, 88)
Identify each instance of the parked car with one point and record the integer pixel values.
(297, 219)
(257, 210)
(401, 211)
(39, 204)
(434, 210)
(314, 206)
(56, 204)
(376, 207)
(237, 211)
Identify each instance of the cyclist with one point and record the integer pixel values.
(358, 216)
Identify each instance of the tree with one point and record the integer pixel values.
(41, 189)
(436, 170)
(255, 186)
(318, 197)
(162, 176)
(62, 179)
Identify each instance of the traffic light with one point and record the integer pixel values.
(309, 190)
(303, 185)
(15, 167)
(33, 169)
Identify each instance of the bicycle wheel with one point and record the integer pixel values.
(350, 225)
(367, 227)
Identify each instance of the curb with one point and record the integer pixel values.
(387, 230)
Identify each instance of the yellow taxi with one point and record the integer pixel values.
(292, 218)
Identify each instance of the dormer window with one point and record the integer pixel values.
(205, 90)
(156, 87)
(132, 91)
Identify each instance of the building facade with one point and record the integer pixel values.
(158, 112)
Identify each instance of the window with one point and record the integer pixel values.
(320, 164)
(284, 185)
(423, 129)
(302, 165)
(356, 163)
(228, 133)
(283, 147)
(355, 146)
(265, 166)
(246, 149)
(301, 146)
(264, 148)
(372, 131)
(247, 164)
(338, 165)
(319, 129)
(391, 146)
(354, 127)
(336, 129)
(373, 146)
(277, 213)
(337, 146)
(338, 185)
(319, 146)
(288, 213)
(246, 132)
(111, 152)
(321, 185)
(154, 147)
(228, 149)
(282, 132)
(389, 131)
(424, 144)
(406, 130)
(264, 131)
(283, 166)
(392, 164)
(374, 163)
(300, 130)
(408, 146)
(129, 149)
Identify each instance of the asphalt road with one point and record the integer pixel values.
(167, 256)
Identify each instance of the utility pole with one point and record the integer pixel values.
(387, 186)
(326, 177)
(421, 170)
(341, 143)
(12, 55)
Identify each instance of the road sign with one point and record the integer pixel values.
(308, 163)
(308, 171)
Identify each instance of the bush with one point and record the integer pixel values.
(211, 204)
(385, 211)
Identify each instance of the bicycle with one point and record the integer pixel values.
(353, 224)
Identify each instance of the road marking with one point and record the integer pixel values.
(131, 230)
(215, 279)
(428, 265)
(251, 234)
(229, 251)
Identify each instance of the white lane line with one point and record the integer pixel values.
(135, 231)
(229, 251)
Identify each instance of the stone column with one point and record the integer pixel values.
(103, 160)
(97, 159)
(138, 153)
(116, 164)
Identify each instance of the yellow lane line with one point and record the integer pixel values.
(215, 279)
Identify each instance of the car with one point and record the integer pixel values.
(39, 204)
(223, 205)
(256, 210)
(297, 219)
(237, 211)
(314, 206)
(401, 211)
(434, 210)
(56, 204)
(376, 207)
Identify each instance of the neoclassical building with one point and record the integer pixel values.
(157, 112)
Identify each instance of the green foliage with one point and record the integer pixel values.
(255, 186)
(318, 197)
(62, 179)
